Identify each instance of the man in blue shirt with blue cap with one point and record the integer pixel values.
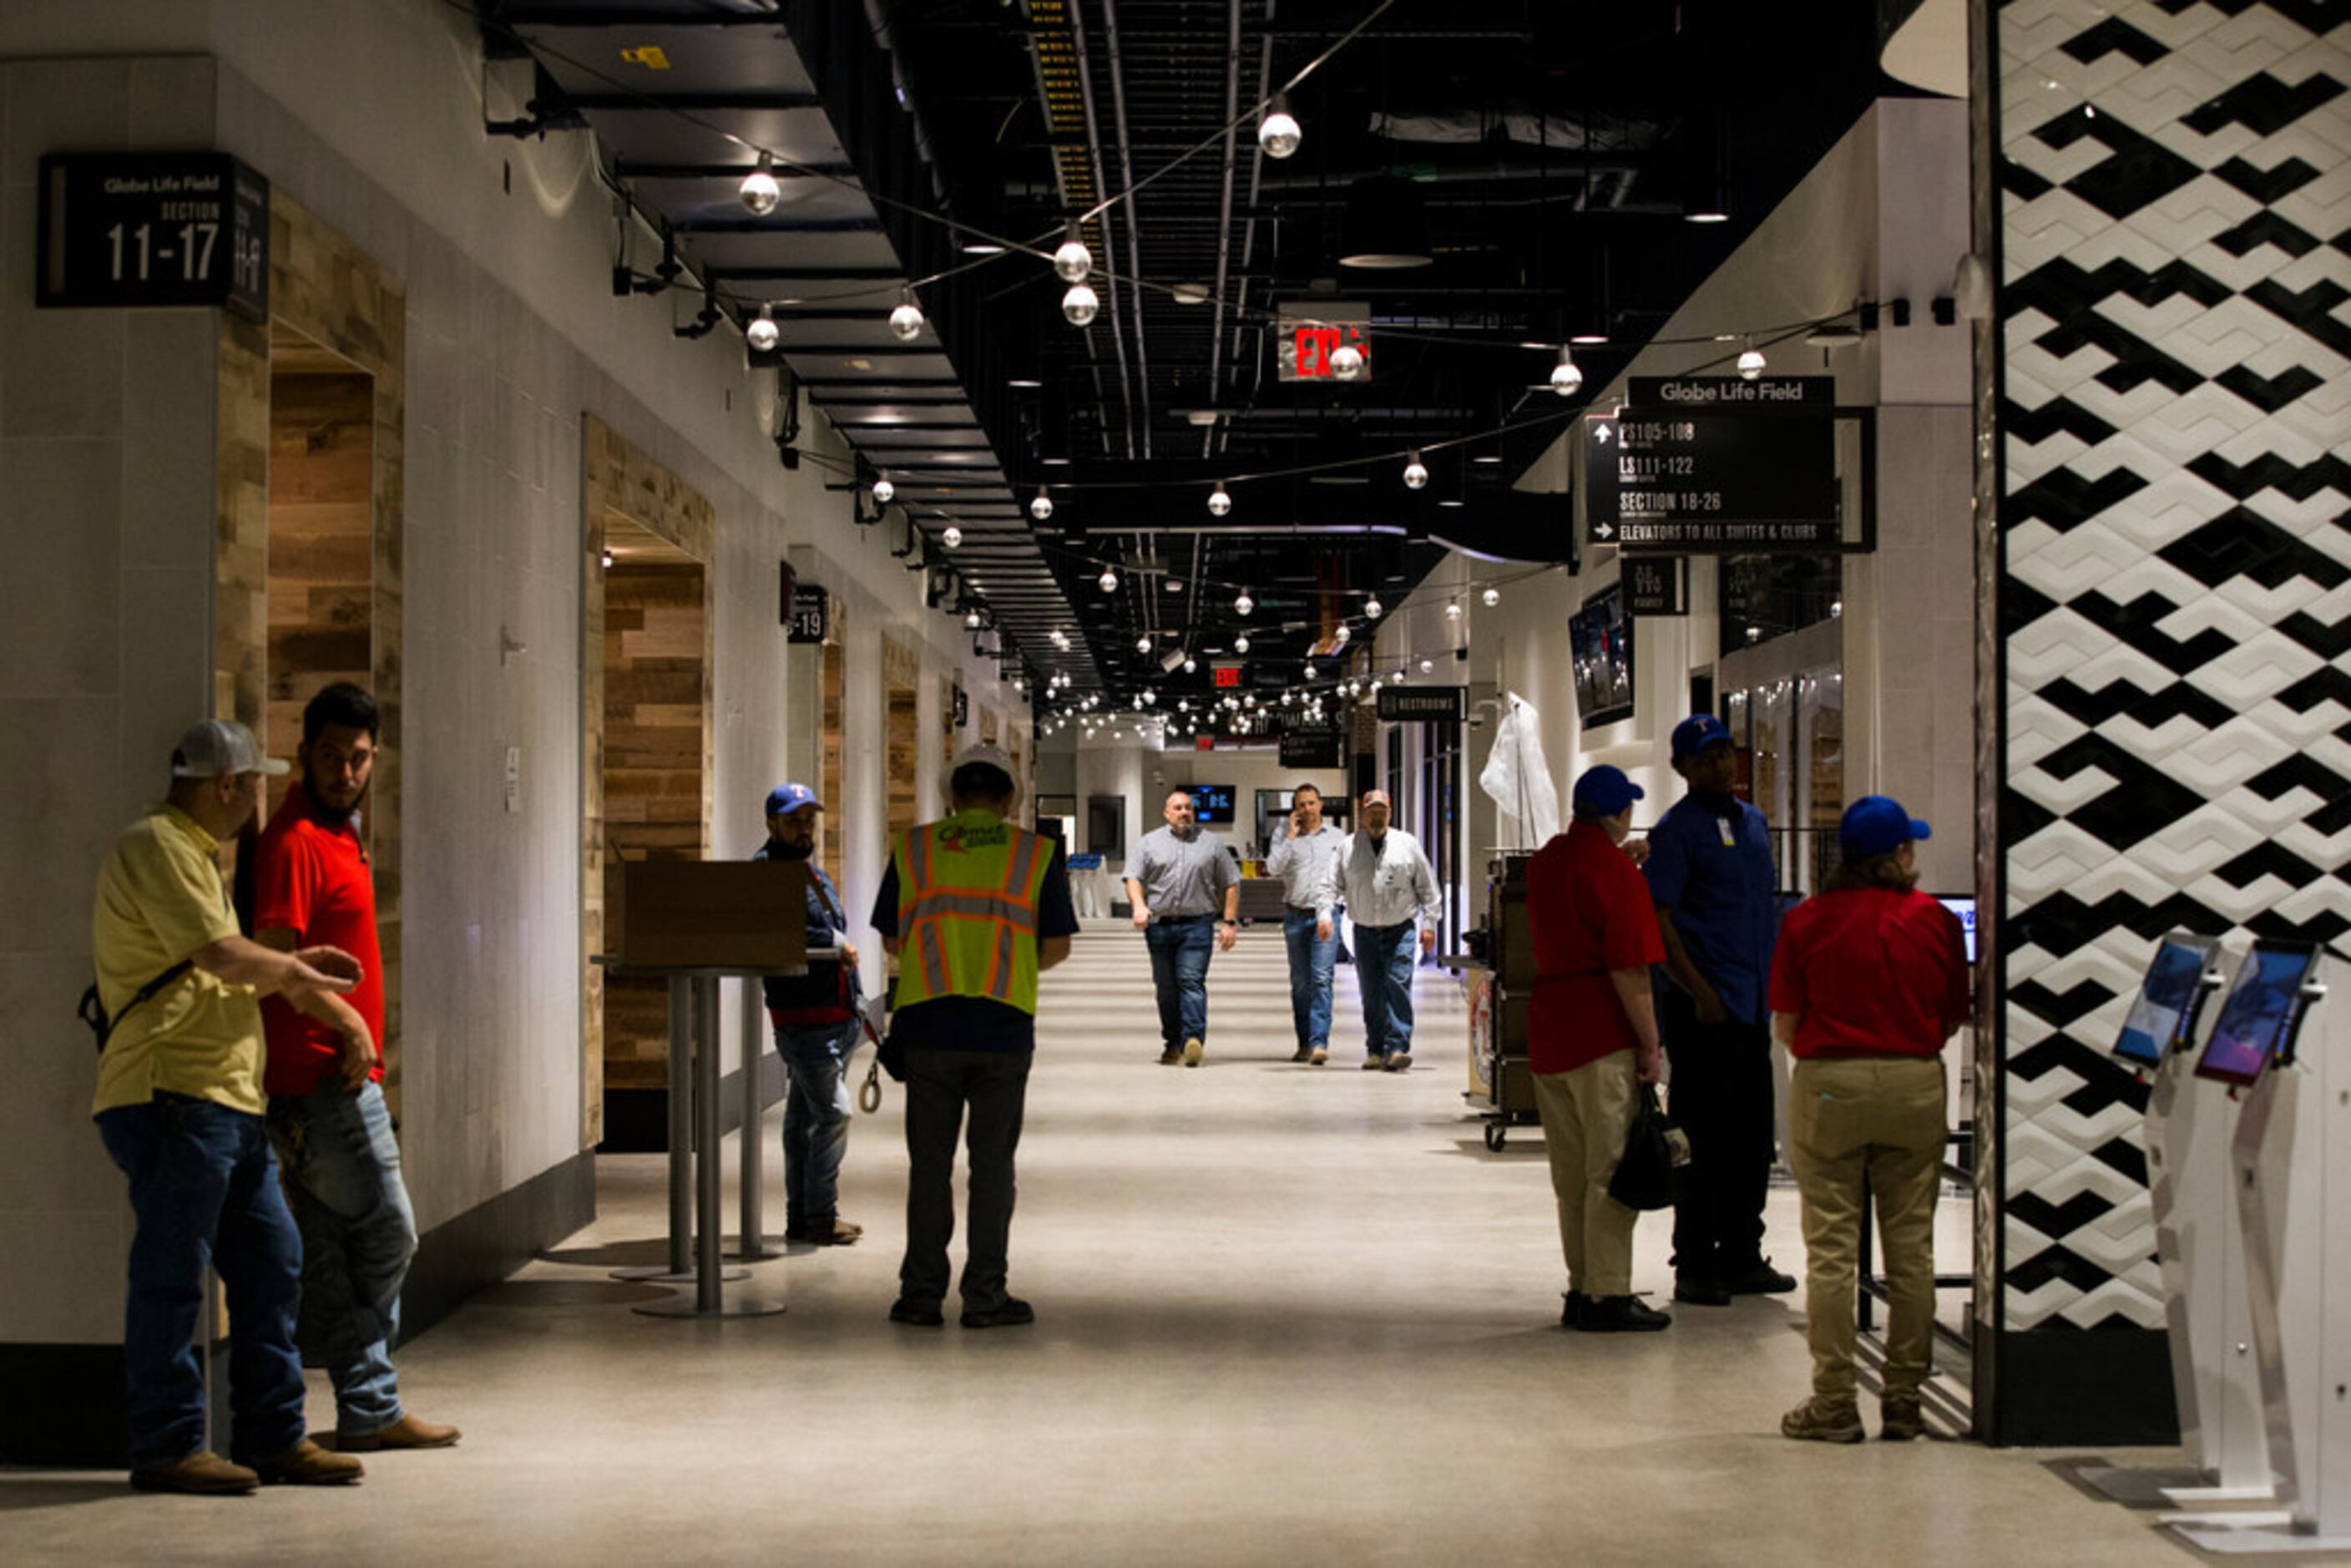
(816, 1021)
(1710, 873)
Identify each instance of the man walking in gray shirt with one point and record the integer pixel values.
(1305, 847)
(1174, 884)
(1384, 880)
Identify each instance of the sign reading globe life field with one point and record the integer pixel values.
(1716, 464)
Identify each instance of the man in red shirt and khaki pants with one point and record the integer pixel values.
(1592, 1039)
(333, 1134)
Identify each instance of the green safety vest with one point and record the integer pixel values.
(967, 895)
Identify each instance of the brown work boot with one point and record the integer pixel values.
(408, 1432)
(1900, 1418)
(832, 1233)
(203, 1473)
(1817, 1420)
(308, 1464)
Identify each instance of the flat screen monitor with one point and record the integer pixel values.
(2163, 1015)
(2260, 1011)
(1212, 804)
(1600, 641)
(1963, 905)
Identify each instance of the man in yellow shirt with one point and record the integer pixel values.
(179, 1107)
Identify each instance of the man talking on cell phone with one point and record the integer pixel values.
(1304, 846)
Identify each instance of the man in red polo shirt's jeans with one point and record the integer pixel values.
(333, 1133)
(1592, 1039)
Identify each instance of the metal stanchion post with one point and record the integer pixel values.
(708, 1300)
(683, 1024)
(751, 1244)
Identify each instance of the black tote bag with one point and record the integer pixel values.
(1649, 1177)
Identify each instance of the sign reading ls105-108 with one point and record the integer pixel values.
(153, 228)
(1716, 464)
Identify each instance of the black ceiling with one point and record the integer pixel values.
(1557, 147)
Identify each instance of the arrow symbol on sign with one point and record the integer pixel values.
(1604, 530)
(1604, 429)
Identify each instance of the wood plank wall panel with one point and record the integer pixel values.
(321, 550)
(325, 290)
(836, 678)
(617, 478)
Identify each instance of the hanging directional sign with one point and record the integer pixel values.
(1311, 743)
(1716, 464)
(1656, 584)
(1444, 704)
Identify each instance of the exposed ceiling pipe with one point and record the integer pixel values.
(877, 21)
(1102, 188)
(1225, 216)
(1131, 215)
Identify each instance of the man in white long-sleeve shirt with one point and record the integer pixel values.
(1383, 878)
(1305, 847)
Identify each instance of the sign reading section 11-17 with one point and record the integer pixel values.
(131, 229)
(1716, 462)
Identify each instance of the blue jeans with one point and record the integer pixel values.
(1180, 973)
(1311, 958)
(203, 1189)
(359, 1233)
(1384, 956)
(817, 1109)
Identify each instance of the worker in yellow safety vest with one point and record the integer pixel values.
(974, 909)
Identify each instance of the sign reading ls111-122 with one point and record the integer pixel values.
(1716, 464)
(124, 229)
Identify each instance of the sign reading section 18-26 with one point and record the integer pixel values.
(153, 228)
(1716, 462)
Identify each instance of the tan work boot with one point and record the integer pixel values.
(1818, 1421)
(1192, 1050)
(408, 1432)
(203, 1473)
(308, 1464)
(831, 1232)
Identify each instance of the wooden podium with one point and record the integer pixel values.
(692, 923)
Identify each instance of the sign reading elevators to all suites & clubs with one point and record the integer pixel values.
(1716, 462)
(125, 229)
(1311, 743)
(1656, 584)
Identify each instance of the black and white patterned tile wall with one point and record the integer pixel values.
(2175, 188)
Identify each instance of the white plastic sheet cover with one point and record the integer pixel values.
(1517, 775)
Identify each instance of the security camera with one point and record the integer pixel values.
(1477, 719)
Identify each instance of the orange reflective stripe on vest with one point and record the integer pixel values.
(968, 890)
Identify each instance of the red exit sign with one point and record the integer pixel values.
(1315, 345)
(1228, 675)
(1204, 743)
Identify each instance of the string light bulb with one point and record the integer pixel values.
(1453, 609)
(1108, 582)
(1346, 361)
(1371, 608)
(951, 535)
(906, 320)
(1240, 645)
(762, 333)
(1041, 508)
(760, 193)
(1750, 360)
(1425, 666)
(1343, 633)
(1073, 260)
(1493, 597)
(1565, 377)
(1244, 603)
(971, 619)
(1080, 304)
(1278, 134)
(1219, 501)
(1415, 472)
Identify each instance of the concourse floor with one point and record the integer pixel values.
(1284, 1316)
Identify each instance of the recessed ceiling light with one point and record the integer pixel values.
(1450, 502)
(1706, 217)
(1587, 338)
(1832, 337)
(1487, 457)
(859, 364)
(981, 248)
(1024, 381)
(1056, 461)
(1535, 345)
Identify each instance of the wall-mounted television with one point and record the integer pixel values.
(1600, 640)
(1212, 804)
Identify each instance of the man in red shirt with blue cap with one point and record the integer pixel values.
(1592, 1039)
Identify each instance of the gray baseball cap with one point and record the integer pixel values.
(213, 746)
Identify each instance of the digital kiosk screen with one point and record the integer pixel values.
(2160, 1015)
(2253, 1019)
(1212, 804)
(1963, 908)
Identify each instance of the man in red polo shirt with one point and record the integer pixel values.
(333, 1133)
(1592, 1039)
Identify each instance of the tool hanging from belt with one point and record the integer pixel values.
(869, 1093)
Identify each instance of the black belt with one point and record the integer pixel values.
(1182, 919)
(1301, 909)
